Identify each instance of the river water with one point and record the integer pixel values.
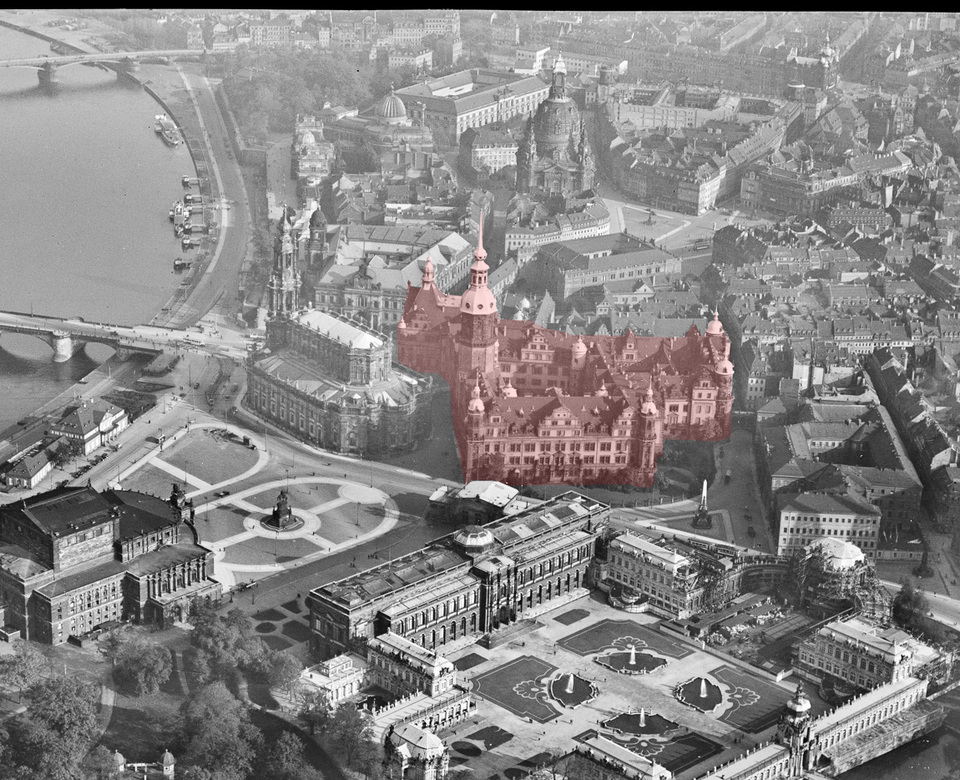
(85, 187)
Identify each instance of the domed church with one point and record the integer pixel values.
(554, 156)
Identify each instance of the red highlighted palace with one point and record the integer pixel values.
(536, 406)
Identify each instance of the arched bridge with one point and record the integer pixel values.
(66, 336)
(122, 62)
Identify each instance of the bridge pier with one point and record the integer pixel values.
(128, 66)
(47, 74)
(63, 346)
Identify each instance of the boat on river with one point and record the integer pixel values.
(167, 129)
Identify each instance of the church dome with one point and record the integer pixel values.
(724, 367)
(391, 108)
(307, 138)
(579, 349)
(118, 759)
(167, 759)
(556, 124)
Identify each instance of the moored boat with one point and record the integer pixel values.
(166, 128)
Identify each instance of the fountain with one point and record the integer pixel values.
(639, 724)
(631, 661)
(700, 693)
(572, 690)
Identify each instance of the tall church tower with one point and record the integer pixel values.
(793, 732)
(651, 424)
(284, 287)
(477, 339)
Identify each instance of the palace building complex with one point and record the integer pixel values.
(534, 406)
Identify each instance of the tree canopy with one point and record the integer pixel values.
(142, 667)
(49, 741)
(216, 734)
(284, 760)
(268, 88)
(25, 667)
(910, 608)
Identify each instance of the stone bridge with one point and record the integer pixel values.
(122, 62)
(66, 336)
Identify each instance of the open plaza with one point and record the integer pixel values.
(587, 670)
(234, 490)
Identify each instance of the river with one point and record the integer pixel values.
(85, 189)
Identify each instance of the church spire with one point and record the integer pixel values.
(480, 254)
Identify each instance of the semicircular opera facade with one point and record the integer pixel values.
(535, 406)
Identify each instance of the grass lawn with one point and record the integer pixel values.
(139, 727)
(341, 524)
(260, 551)
(149, 479)
(216, 524)
(212, 458)
(516, 686)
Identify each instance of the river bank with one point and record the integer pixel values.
(179, 92)
(107, 288)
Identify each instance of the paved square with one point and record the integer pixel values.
(491, 736)
(757, 704)
(604, 634)
(517, 686)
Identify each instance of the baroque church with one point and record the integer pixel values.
(534, 406)
(554, 156)
(326, 379)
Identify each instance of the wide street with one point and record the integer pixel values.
(195, 107)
